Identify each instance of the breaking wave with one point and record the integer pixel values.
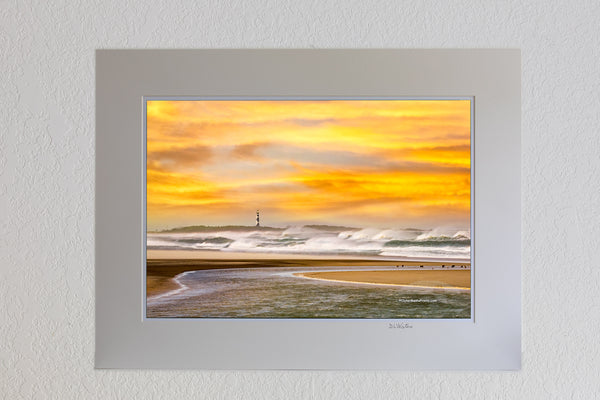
(318, 239)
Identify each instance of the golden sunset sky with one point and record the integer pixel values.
(368, 163)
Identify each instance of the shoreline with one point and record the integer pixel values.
(161, 272)
(170, 286)
(401, 278)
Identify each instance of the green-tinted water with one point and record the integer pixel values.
(277, 293)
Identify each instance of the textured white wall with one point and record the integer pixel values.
(47, 185)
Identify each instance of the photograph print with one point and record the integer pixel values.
(308, 208)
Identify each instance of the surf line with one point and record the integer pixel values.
(300, 275)
(173, 292)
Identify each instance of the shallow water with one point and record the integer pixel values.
(277, 293)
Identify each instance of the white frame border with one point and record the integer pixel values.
(489, 340)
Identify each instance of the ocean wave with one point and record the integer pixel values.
(437, 242)
(444, 234)
(315, 239)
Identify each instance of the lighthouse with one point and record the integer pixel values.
(257, 218)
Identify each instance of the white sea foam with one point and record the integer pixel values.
(174, 292)
(438, 242)
(444, 233)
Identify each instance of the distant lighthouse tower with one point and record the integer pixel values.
(257, 218)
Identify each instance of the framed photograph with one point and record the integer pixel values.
(365, 207)
(308, 209)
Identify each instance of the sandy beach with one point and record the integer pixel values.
(160, 271)
(446, 279)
